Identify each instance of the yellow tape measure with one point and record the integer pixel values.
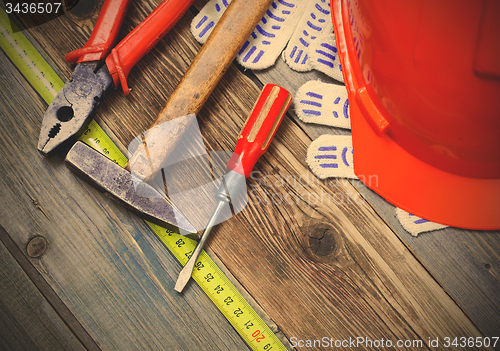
(207, 274)
(28, 60)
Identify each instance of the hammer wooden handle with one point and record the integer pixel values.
(201, 78)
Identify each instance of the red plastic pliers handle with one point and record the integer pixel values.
(75, 105)
(135, 45)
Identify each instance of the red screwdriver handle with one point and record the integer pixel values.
(259, 128)
(143, 38)
(104, 35)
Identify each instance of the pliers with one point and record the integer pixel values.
(100, 66)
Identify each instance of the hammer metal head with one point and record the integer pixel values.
(124, 187)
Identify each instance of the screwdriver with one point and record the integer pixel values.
(253, 141)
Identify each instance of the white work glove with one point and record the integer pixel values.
(305, 25)
(323, 103)
(416, 225)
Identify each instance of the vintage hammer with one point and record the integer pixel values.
(201, 78)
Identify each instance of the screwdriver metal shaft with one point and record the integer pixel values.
(253, 141)
(188, 268)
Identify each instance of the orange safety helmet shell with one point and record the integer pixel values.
(423, 78)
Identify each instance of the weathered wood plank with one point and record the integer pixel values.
(96, 257)
(27, 320)
(465, 263)
(320, 266)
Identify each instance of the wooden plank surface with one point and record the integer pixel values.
(27, 320)
(322, 260)
(465, 263)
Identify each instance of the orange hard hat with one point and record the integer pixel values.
(423, 78)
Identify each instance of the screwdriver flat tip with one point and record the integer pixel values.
(186, 272)
(184, 276)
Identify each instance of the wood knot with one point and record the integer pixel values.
(321, 240)
(36, 246)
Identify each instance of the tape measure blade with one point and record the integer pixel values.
(96, 137)
(212, 279)
(28, 60)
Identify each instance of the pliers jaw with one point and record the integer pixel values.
(74, 106)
